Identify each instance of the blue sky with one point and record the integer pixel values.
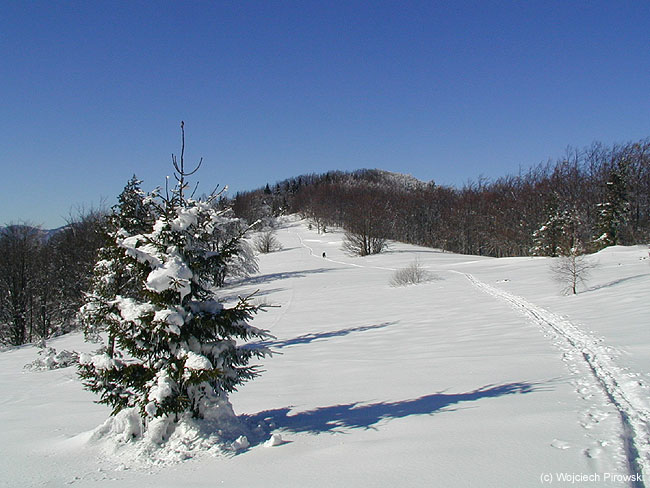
(93, 92)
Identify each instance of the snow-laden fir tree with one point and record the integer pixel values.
(614, 211)
(558, 233)
(115, 274)
(177, 351)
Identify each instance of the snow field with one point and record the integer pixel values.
(439, 384)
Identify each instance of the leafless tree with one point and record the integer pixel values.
(267, 242)
(572, 269)
(19, 245)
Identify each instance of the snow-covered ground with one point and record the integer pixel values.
(486, 376)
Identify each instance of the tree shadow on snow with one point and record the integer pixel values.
(233, 297)
(616, 282)
(415, 252)
(285, 249)
(258, 280)
(309, 338)
(340, 418)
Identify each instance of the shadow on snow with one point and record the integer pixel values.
(309, 338)
(339, 418)
(616, 282)
(258, 280)
(253, 292)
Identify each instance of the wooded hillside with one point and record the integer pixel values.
(598, 196)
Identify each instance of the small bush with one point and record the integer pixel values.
(266, 242)
(413, 274)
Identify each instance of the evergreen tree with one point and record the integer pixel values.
(559, 233)
(615, 209)
(115, 273)
(546, 239)
(176, 347)
(134, 212)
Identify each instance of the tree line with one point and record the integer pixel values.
(43, 275)
(597, 196)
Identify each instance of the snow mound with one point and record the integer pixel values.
(275, 440)
(126, 441)
(49, 359)
(241, 443)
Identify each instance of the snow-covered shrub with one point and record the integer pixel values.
(413, 274)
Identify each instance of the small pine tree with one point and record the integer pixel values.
(134, 212)
(176, 350)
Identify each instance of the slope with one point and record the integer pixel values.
(439, 384)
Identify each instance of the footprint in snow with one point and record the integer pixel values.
(558, 444)
(594, 452)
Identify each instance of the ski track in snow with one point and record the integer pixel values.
(619, 388)
(311, 252)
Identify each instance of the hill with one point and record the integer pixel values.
(598, 196)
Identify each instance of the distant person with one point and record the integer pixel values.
(324, 255)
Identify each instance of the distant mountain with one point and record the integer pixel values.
(44, 234)
(50, 232)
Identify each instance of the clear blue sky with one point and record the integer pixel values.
(93, 92)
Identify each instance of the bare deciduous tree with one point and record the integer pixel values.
(363, 244)
(43, 275)
(509, 216)
(19, 245)
(266, 242)
(572, 269)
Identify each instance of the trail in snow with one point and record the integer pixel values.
(311, 252)
(623, 392)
